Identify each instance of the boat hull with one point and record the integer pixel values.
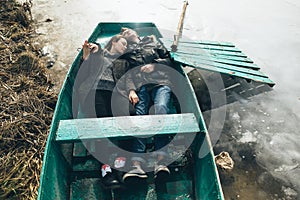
(65, 174)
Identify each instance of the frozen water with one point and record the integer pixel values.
(247, 137)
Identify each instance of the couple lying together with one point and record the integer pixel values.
(125, 78)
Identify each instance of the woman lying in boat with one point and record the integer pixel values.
(99, 71)
(96, 79)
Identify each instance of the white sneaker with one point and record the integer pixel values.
(135, 175)
(161, 171)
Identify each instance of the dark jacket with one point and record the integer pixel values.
(147, 51)
(88, 77)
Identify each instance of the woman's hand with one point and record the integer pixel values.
(133, 97)
(148, 68)
(87, 48)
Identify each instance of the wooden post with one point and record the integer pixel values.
(179, 28)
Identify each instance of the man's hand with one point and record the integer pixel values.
(148, 68)
(133, 97)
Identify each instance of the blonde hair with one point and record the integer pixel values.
(115, 38)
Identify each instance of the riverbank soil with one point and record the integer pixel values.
(27, 103)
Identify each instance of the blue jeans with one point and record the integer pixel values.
(160, 96)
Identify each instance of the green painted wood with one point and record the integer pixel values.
(230, 60)
(111, 127)
(221, 57)
(204, 54)
(235, 58)
(239, 65)
(212, 62)
(203, 164)
(206, 66)
(182, 49)
(208, 42)
(85, 164)
(205, 42)
(205, 46)
(211, 47)
(89, 189)
(194, 54)
(55, 181)
(216, 53)
(227, 53)
(79, 150)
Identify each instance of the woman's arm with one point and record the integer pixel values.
(87, 48)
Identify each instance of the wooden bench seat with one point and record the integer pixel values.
(77, 130)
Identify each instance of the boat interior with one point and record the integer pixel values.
(73, 168)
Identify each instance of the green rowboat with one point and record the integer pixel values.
(70, 171)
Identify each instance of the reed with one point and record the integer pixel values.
(26, 106)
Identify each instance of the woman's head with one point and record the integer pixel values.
(130, 35)
(117, 45)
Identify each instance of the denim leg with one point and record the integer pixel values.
(161, 98)
(160, 141)
(138, 148)
(139, 145)
(142, 107)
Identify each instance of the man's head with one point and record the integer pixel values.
(130, 35)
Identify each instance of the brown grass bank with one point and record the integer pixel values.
(27, 103)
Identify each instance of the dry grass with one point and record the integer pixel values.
(26, 105)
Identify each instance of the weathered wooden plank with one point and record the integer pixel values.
(218, 56)
(226, 53)
(194, 60)
(192, 45)
(199, 65)
(209, 57)
(237, 63)
(236, 58)
(217, 52)
(76, 130)
(210, 47)
(206, 42)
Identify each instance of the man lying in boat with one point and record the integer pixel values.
(148, 80)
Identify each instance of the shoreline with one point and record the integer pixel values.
(27, 103)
